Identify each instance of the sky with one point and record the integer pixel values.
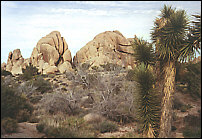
(24, 23)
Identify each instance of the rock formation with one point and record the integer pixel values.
(51, 54)
(109, 46)
(3, 66)
(15, 62)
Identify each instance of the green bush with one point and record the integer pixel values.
(40, 127)
(106, 126)
(192, 132)
(9, 125)
(184, 108)
(35, 98)
(5, 73)
(130, 75)
(111, 67)
(29, 72)
(33, 119)
(42, 85)
(177, 104)
(192, 126)
(23, 115)
(12, 104)
(191, 120)
(193, 79)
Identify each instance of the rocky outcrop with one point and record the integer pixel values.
(52, 54)
(15, 62)
(109, 46)
(3, 66)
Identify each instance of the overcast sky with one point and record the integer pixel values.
(23, 23)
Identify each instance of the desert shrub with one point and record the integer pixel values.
(5, 73)
(192, 126)
(111, 67)
(184, 108)
(192, 120)
(35, 98)
(23, 115)
(193, 79)
(177, 104)
(180, 106)
(85, 66)
(42, 85)
(114, 99)
(92, 80)
(173, 128)
(33, 119)
(64, 127)
(29, 72)
(192, 132)
(70, 76)
(130, 75)
(59, 102)
(12, 103)
(40, 127)
(180, 72)
(9, 125)
(106, 126)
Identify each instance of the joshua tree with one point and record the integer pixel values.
(148, 102)
(172, 41)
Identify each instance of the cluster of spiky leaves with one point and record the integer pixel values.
(193, 40)
(148, 102)
(143, 51)
(169, 32)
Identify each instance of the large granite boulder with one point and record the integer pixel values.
(50, 53)
(106, 47)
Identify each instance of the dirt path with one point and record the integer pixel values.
(25, 130)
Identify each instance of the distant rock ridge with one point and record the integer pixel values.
(51, 53)
(109, 46)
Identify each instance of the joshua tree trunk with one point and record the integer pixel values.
(167, 100)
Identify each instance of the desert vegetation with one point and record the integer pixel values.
(90, 101)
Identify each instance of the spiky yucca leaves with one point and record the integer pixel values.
(148, 101)
(143, 51)
(193, 41)
(171, 34)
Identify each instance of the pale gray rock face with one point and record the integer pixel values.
(109, 46)
(52, 50)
